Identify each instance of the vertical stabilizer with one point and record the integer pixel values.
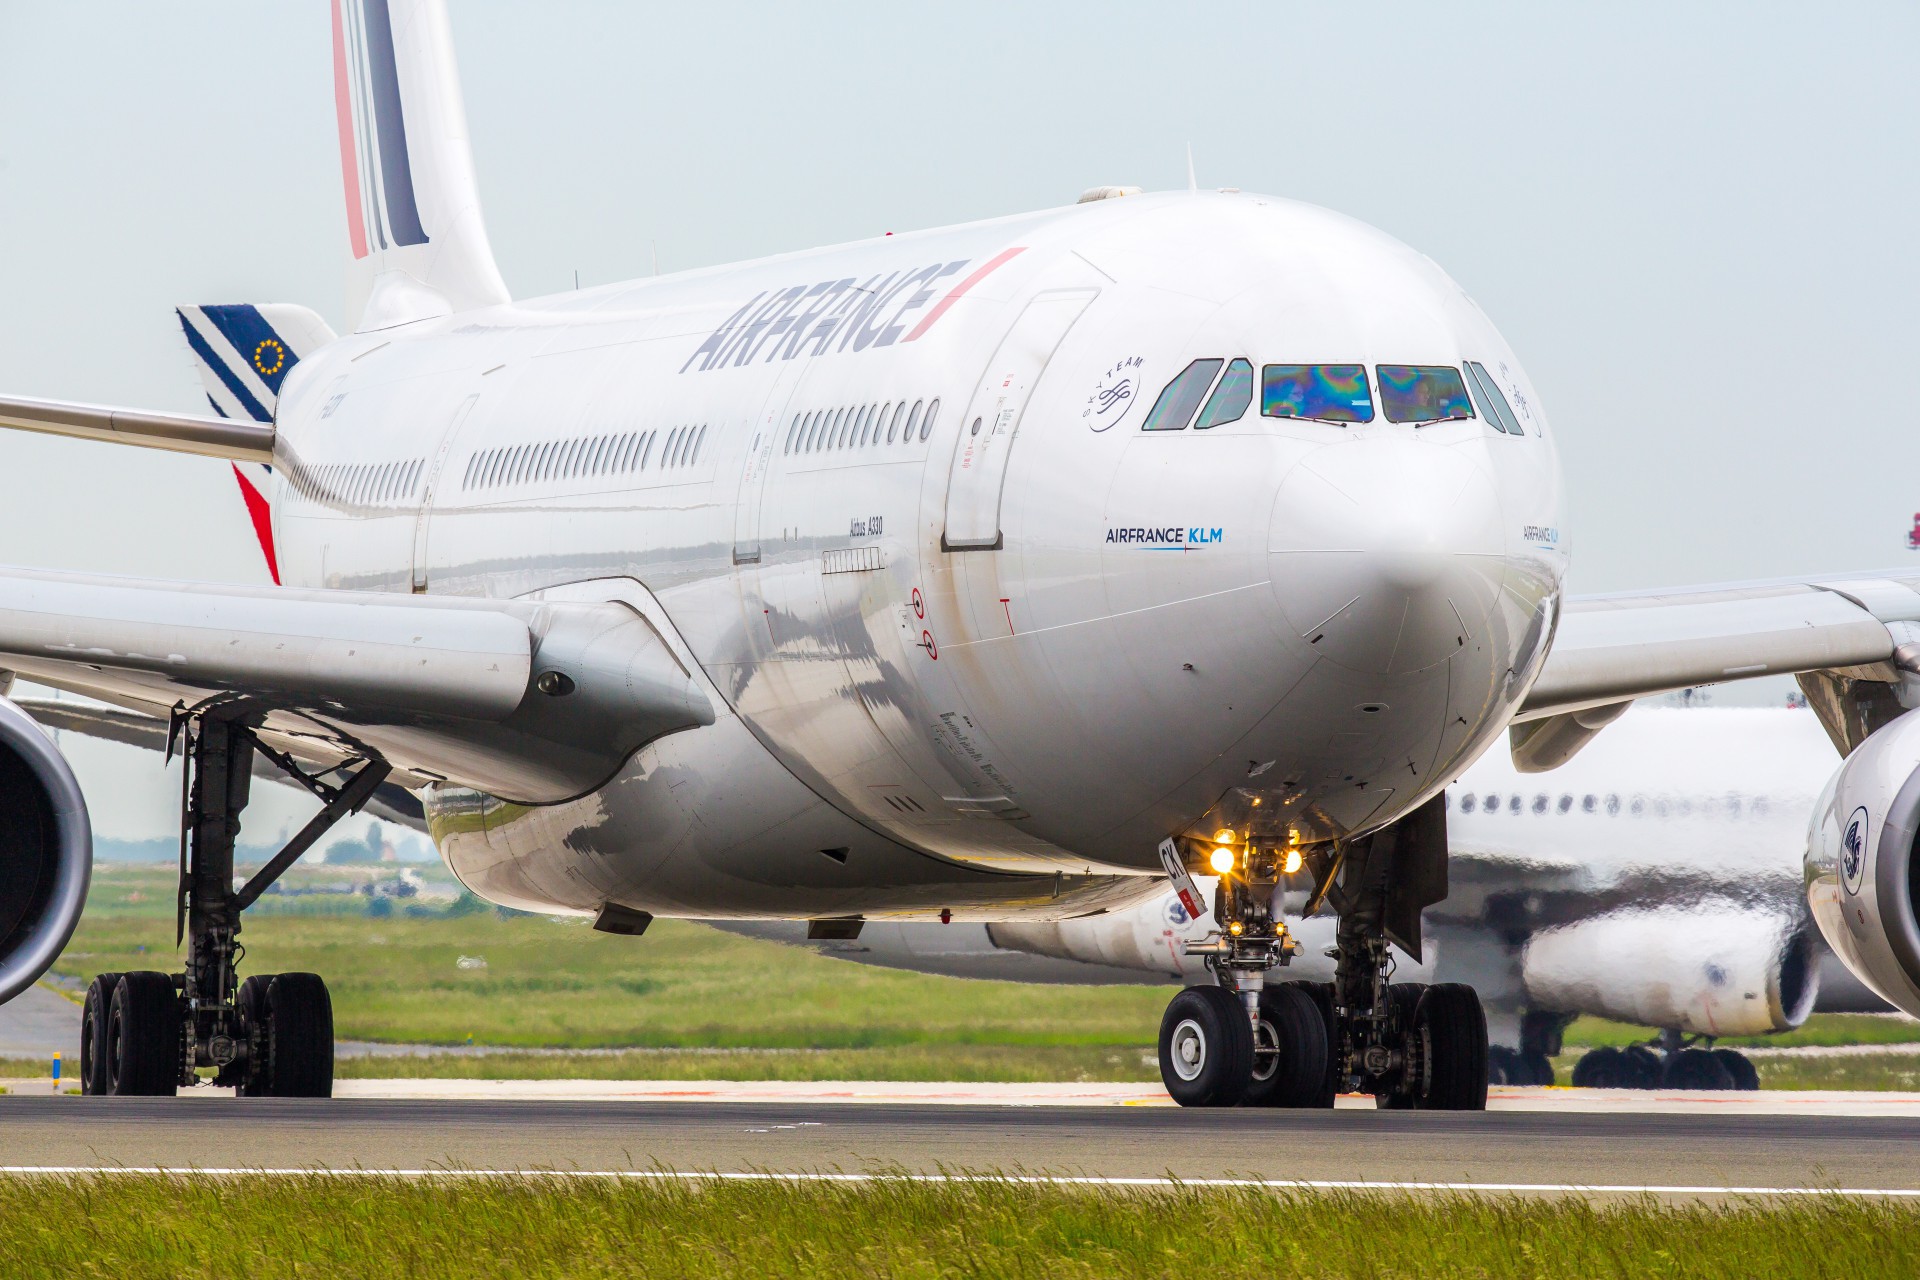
(419, 248)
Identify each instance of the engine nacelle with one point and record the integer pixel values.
(1716, 968)
(46, 851)
(1863, 883)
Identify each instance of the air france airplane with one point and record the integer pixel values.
(1654, 880)
(1002, 571)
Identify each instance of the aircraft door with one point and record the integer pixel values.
(424, 518)
(763, 438)
(992, 423)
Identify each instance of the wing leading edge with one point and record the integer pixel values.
(531, 701)
(1611, 649)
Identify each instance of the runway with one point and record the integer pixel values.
(1671, 1154)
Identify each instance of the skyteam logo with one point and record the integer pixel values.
(1176, 914)
(1853, 851)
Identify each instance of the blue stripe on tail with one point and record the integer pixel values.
(396, 170)
(254, 408)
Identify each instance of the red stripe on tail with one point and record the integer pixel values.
(262, 516)
(349, 164)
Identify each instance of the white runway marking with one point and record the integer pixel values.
(676, 1175)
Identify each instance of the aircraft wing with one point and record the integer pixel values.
(532, 701)
(180, 432)
(1611, 649)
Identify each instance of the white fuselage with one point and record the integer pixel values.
(986, 663)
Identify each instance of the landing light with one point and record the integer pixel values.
(1223, 836)
(1293, 861)
(1221, 860)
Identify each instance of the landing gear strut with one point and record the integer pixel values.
(147, 1033)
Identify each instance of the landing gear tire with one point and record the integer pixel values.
(1321, 993)
(299, 1042)
(1740, 1069)
(1206, 1048)
(254, 1081)
(1290, 1051)
(1635, 1067)
(1445, 1049)
(146, 1033)
(1697, 1069)
(96, 1049)
(1513, 1067)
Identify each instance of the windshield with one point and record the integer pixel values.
(1423, 393)
(1324, 392)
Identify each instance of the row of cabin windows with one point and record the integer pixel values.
(1729, 806)
(362, 484)
(1421, 394)
(852, 426)
(584, 456)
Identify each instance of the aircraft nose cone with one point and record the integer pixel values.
(1386, 554)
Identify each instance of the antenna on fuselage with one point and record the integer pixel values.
(1193, 187)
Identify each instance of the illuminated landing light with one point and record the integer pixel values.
(1223, 836)
(1293, 861)
(1221, 860)
(1236, 928)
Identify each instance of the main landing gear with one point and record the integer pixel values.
(1672, 1061)
(147, 1033)
(1245, 1041)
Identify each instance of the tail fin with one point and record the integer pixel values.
(244, 354)
(413, 211)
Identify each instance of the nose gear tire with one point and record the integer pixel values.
(1295, 1073)
(1206, 1048)
(145, 1030)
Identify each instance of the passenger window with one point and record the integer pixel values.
(646, 453)
(1335, 393)
(880, 422)
(1423, 393)
(926, 427)
(893, 427)
(792, 431)
(1230, 399)
(913, 420)
(699, 442)
(1174, 409)
(1493, 404)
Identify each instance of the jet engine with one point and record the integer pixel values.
(1863, 883)
(1716, 968)
(46, 851)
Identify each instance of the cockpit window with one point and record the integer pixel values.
(1230, 399)
(1423, 393)
(1174, 409)
(1493, 405)
(1323, 392)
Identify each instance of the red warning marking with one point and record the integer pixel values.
(919, 605)
(1004, 605)
(926, 642)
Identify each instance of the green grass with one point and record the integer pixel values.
(559, 983)
(1820, 1029)
(138, 1227)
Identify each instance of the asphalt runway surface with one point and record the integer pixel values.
(1672, 1154)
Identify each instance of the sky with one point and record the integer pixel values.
(1693, 223)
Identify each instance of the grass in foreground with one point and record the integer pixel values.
(285, 1226)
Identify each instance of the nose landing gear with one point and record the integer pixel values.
(148, 1033)
(1297, 1044)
